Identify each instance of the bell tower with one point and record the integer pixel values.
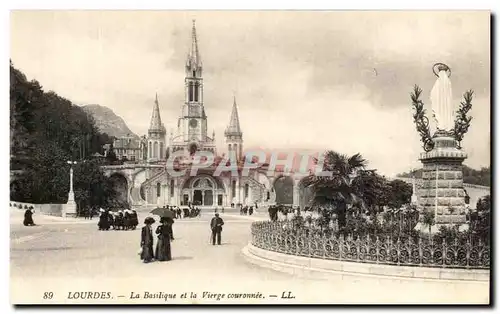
(194, 119)
(191, 135)
(156, 135)
(233, 134)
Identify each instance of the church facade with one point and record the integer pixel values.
(151, 182)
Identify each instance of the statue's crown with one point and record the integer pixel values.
(442, 67)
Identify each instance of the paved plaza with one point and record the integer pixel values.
(71, 255)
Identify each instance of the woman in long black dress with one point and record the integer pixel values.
(163, 252)
(28, 217)
(147, 241)
(135, 220)
(103, 223)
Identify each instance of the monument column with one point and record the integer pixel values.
(70, 206)
(442, 190)
(442, 187)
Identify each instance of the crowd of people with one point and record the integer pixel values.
(119, 220)
(275, 211)
(189, 211)
(246, 210)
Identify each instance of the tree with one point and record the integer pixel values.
(284, 190)
(373, 189)
(482, 220)
(47, 130)
(400, 193)
(428, 219)
(337, 191)
(92, 187)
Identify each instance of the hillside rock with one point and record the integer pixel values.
(109, 122)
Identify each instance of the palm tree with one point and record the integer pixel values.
(338, 189)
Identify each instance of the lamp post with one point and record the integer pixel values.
(70, 206)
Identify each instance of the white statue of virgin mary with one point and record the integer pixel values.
(441, 99)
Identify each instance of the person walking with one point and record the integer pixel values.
(147, 253)
(163, 250)
(216, 225)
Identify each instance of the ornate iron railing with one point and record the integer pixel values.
(283, 237)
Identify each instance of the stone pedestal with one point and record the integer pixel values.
(70, 207)
(442, 190)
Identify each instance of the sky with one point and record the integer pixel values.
(310, 80)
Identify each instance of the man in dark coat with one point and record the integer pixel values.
(216, 226)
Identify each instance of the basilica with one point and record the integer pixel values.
(151, 183)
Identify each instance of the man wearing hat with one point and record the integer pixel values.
(216, 225)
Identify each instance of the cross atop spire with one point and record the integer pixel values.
(234, 123)
(194, 60)
(155, 117)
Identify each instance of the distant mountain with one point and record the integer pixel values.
(109, 122)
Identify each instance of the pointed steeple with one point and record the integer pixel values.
(234, 123)
(155, 117)
(194, 59)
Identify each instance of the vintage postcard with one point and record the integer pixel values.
(250, 157)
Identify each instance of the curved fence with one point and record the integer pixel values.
(282, 237)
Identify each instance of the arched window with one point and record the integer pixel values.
(155, 150)
(196, 91)
(246, 190)
(235, 147)
(150, 154)
(172, 182)
(161, 150)
(158, 189)
(233, 188)
(190, 87)
(228, 147)
(203, 183)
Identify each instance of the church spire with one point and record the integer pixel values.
(234, 123)
(155, 117)
(194, 60)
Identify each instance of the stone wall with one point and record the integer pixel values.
(447, 191)
(46, 209)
